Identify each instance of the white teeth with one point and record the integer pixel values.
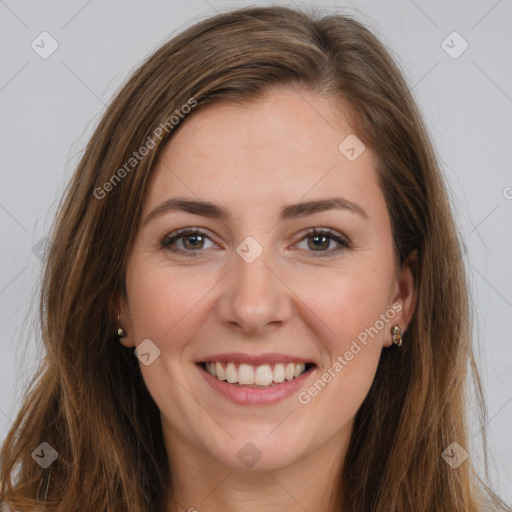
(220, 371)
(299, 369)
(289, 371)
(245, 374)
(231, 373)
(278, 373)
(263, 375)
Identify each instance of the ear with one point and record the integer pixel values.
(121, 317)
(405, 295)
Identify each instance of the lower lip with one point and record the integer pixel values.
(256, 396)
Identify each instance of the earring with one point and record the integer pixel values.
(396, 334)
(120, 331)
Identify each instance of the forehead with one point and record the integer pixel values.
(273, 151)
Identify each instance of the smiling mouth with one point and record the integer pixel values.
(252, 376)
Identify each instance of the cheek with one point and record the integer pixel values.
(352, 300)
(353, 345)
(357, 316)
(165, 307)
(361, 316)
(161, 300)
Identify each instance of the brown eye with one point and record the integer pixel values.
(192, 242)
(319, 241)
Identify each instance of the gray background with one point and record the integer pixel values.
(50, 106)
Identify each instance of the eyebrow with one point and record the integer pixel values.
(214, 211)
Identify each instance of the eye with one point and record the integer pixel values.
(321, 239)
(192, 241)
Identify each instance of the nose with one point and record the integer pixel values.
(254, 298)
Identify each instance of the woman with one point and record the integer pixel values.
(259, 218)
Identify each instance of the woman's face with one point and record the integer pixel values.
(256, 294)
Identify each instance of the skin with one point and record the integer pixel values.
(253, 159)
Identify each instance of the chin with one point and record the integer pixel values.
(261, 450)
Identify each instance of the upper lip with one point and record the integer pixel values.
(255, 360)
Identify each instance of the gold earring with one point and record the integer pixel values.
(396, 334)
(120, 331)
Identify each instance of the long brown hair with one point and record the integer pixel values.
(89, 401)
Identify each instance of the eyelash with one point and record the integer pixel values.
(171, 238)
